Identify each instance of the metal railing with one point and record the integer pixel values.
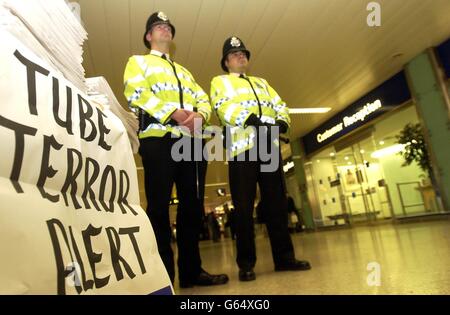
(402, 200)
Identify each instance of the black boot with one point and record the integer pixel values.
(247, 275)
(205, 279)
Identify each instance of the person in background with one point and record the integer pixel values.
(295, 217)
(214, 227)
(231, 220)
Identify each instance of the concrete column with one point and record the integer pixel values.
(430, 94)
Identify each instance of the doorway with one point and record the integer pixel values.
(363, 186)
(349, 184)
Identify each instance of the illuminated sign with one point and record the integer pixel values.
(348, 121)
(387, 96)
(330, 132)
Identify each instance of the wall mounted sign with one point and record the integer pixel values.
(383, 98)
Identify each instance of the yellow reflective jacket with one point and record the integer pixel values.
(234, 101)
(151, 86)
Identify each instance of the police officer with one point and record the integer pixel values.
(253, 113)
(171, 106)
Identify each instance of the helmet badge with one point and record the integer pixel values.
(162, 16)
(235, 42)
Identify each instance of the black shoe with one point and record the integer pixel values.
(247, 275)
(293, 265)
(205, 279)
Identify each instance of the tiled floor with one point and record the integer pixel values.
(413, 258)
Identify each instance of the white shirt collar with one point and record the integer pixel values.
(158, 53)
(235, 74)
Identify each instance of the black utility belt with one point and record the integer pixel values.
(145, 119)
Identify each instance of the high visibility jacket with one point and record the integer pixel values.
(151, 86)
(234, 100)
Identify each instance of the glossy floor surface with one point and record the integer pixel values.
(408, 258)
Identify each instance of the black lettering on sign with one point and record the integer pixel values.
(61, 271)
(67, 123)
(32, 68)
(130, 231)
(124, 188)
(89, 180)
(60, 242)
(47, 170)
(85, 116)
(92, 256)
(108, 170)
(102, 131)
(71, 178)
(19, 131)
(116, 259)
(87, 284)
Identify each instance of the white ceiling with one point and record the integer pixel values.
(315, 53)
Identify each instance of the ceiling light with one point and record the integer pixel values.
(346, 158)
(332, 154)
(361, 151)
(311, 110)
(381, 142)
(288, 166)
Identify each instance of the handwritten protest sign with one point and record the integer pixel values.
(70, 219)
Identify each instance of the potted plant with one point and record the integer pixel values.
(411, 136)
(415, 150)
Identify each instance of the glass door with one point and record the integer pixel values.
(351, 179)
(328, 190)
(373, 186)
(349, 184)
(366, 195)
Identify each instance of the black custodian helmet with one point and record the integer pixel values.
(155, 19)
(230, 45)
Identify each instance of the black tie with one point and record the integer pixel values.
(163, 56)
(251, 85)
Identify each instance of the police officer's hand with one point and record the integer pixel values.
(193, 122)
(262, 129)
(282, 125)
(180, 115)
(254, 121)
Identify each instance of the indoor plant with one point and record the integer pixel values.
(415, 150)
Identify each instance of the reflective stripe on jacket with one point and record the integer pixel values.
(151, 86)
(233, 101)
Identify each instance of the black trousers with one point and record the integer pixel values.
(161, 172)
(243, 176)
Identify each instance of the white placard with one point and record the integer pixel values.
(70, 217)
